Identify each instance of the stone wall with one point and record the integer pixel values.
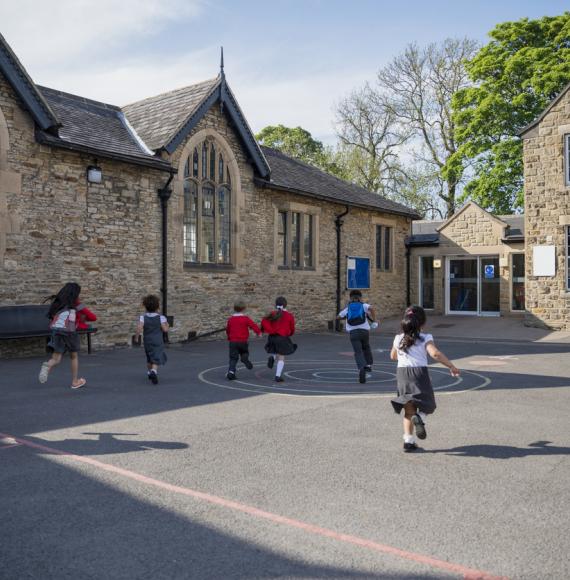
(547, 211)
(55, 227)
(472, 231)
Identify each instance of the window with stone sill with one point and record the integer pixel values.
(207, 219)
(295, 240)
(384, 236)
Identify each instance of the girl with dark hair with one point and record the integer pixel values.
(415, 391)
(64, 338)
(279, 324)
(152, 325)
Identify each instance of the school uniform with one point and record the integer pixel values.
(280, 331)
(360, 338)
(64, 337)
(414, 383)
(153, 339)
(237, 331)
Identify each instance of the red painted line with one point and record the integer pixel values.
(466, 573)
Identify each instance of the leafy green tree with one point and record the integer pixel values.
(296, 142)
(515, 75)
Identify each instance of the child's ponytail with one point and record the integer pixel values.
(414, 319)
(280, 304)
(65, 298)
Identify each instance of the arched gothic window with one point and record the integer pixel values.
(207, 206)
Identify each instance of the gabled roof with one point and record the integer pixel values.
(95, 127)
(164, 121)
(552, 103)
(24, 86)
(466, 206)
(289, 174)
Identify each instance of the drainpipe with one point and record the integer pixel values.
(338, 225)
(164, 194)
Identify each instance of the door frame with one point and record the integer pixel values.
(447, 292)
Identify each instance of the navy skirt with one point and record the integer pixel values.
(277, 344)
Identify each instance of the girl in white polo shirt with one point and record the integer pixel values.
(415, 391)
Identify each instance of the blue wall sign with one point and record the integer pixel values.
(357, 273)
(489, 271)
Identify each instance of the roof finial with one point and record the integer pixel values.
(222, 61)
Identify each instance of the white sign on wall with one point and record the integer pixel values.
(544, 261)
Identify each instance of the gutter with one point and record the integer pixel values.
(164, 194)
(158, 164)
(269, 184)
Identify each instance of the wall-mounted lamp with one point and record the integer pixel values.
(94, 174)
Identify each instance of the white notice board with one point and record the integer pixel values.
(543, 260)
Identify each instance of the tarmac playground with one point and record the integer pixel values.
(200, 477)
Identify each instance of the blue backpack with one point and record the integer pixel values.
(355, 314)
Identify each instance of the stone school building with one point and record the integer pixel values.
(173, 195)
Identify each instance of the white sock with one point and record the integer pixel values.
(409, 439)
(423, 416)
(280, 365)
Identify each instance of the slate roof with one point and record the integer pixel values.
(158, 119)
(96, 127)
(425, 232)
(550, 105)
(290, 174)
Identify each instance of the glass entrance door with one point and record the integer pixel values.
(490, 286)
(462, 286)
(473, 285)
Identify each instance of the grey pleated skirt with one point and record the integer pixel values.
(414, 385)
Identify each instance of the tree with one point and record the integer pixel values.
(369, 141)
(515, 75)
(417, 88)
(296, 142)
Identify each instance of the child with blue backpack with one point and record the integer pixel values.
(359, 316)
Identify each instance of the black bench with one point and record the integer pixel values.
(30, 321)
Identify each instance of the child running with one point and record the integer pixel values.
(415, 391)
(279, 324)
(237, 331)
(64, 338)
(152, 325)
(358, 316)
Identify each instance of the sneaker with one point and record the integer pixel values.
(362, 375)
(248, 365)
(420, 426)
(154, 377)
(270, 362)
(44, 372)
(279, 379)
(231, 376)
(410, 447)
(368, 368)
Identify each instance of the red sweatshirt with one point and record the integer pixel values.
(283, 326)
(238, 327)
(84, 315)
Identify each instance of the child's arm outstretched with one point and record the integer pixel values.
(436, 354)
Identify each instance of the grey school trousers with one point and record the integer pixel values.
(360, 340)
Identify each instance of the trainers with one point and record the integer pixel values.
(270, 362)
(44, 372)
(368, 368)
(410, 447)
(248, 365)
(420, 426)
(362, 375)
(231, 376)
(154, 377)
(279, 379)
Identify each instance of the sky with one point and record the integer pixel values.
(287, 61)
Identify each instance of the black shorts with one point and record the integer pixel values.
(62, 342)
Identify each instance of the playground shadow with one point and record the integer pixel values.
(537, 448)
(105, 444)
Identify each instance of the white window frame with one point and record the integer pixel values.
(288, 241)
(391, 254)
